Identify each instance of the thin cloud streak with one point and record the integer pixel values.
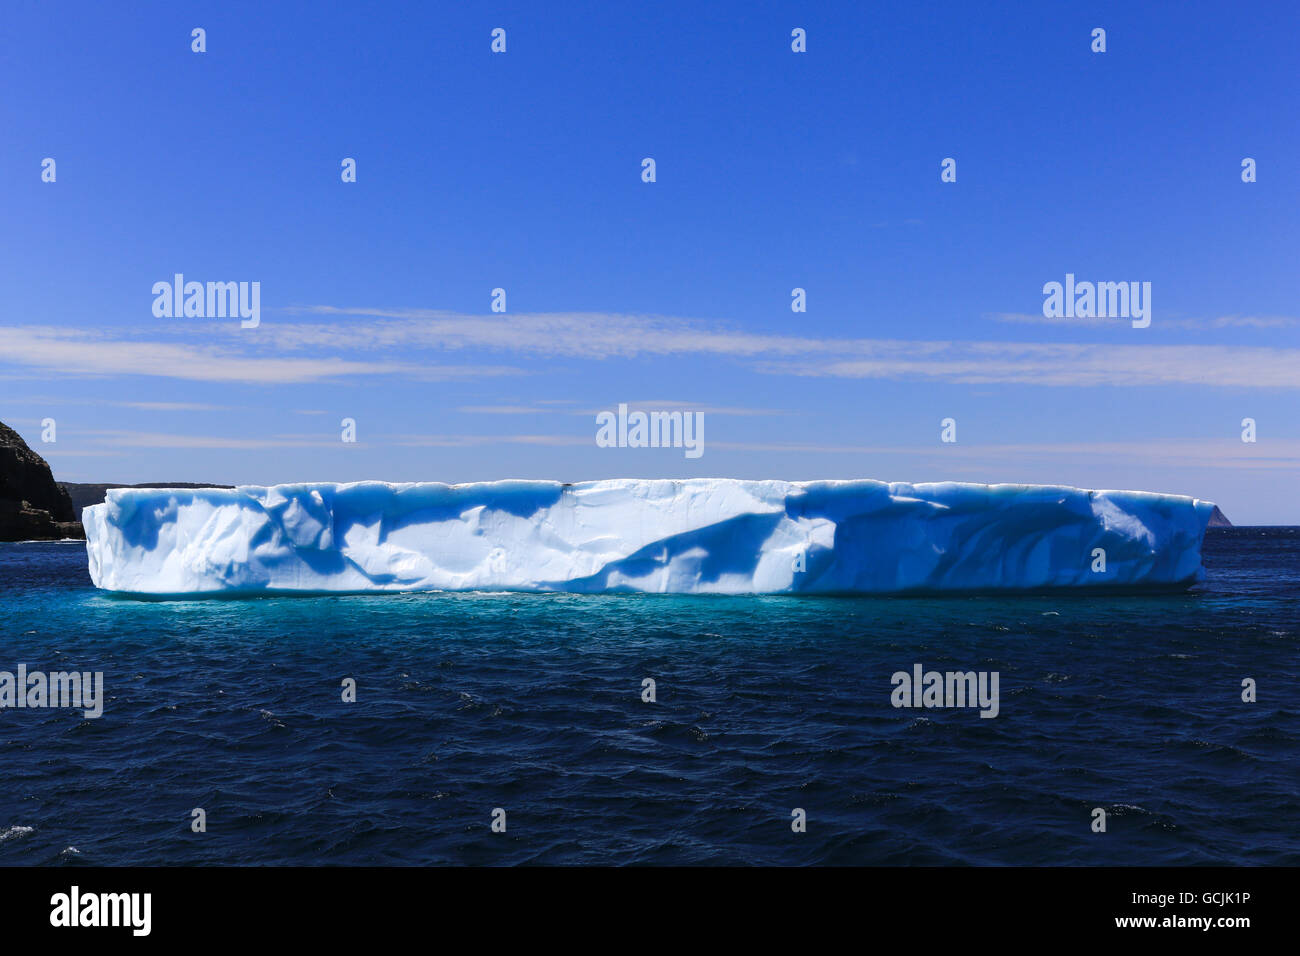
(600, 336)
(592, 335)
(80, 353)
(1023, 363)
(542, 408)
(140, 406)
(1211, 452)
(1199, 324)
(123, 438)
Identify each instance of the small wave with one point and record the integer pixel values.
(16, 833)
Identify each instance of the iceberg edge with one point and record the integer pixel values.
(687, 536)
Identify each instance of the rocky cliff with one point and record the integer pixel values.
(32, 505)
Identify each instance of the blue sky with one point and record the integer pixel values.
(775, 170)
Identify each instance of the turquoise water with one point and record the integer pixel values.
(533, 704)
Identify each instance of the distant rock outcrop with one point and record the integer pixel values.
(32, 505)
(1218, 519)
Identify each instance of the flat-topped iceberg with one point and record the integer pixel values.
(699, 535)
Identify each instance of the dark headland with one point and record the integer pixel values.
(32, 505)
(35, 507)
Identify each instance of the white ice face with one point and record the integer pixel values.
(698, 535)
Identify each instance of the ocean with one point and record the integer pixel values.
(529, 710)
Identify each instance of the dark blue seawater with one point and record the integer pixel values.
(532, 703)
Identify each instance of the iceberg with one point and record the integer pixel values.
(693, 536)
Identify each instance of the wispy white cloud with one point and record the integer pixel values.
(1034, 318)
(1205, 452)
(666, 404)
(505, 410)
(1197, 324)
(113, 403)
(126, 438)
(1214, 452)
(601, 335)
(590, 335)
(542, 408)
(968, 458)
(1025, 363)
(468, 441)
(76, 352)
(1234, 322)
(305, 352)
